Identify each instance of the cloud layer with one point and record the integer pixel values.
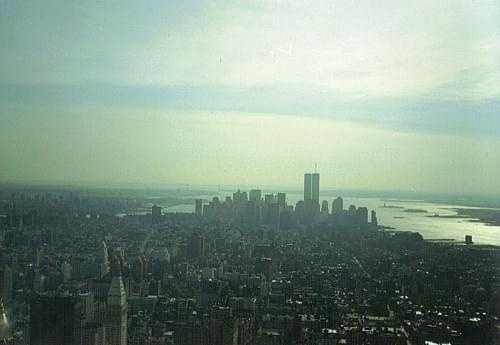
(409, 90)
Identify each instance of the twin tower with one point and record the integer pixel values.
(311, 187)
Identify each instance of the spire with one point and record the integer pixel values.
(116, 312)
(116, 293)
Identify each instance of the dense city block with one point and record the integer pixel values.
(94, 268)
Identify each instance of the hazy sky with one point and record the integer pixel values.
(397, 95)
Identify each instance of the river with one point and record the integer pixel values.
(394, 215)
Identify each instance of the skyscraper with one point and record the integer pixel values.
(6, 283)
(156, 213)
(337, 205)
(55, 320)
(269, 199)
(255, 196)
(315, 187)
(196, 246)
(311, 187)
(116, 311)
(281, 200)
(324, 207)
(240, 197)
(307, 187)
(374, 220)
(198, 207)
(362, 215)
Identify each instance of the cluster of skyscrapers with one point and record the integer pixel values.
(253, 208)
(248, 269)
(97, 312)
(311, 187)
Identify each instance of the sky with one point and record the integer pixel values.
(385, 95)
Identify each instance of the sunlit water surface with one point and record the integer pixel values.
(395, 216)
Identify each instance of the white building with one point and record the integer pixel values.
(116, 313)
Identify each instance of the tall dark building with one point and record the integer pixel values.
(196, 246)
(362, 215)
(269, 199)
(190, 332)
(324, 207)
(223, 328)
(93, 334)
(156, 213)
(240, 197)
(55, 320)
(311, 187)
(281, 200)
(307, 187)
(255, 196)
(311, 204)
(6, 283)
(274, 213)
(373, 218)
(337, 205)
(198, 207)
(468, 239)
(252, 213)
(315, 187)
(352, 210)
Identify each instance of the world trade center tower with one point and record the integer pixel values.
(315, 187)
(311, 187)
(307, 187)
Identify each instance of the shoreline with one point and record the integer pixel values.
(474, 215)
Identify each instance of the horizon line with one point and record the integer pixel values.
(218, 187)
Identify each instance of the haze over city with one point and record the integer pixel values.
(276, 172)
(382, 96)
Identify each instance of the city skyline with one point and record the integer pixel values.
(92, 267)
(224, 172)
